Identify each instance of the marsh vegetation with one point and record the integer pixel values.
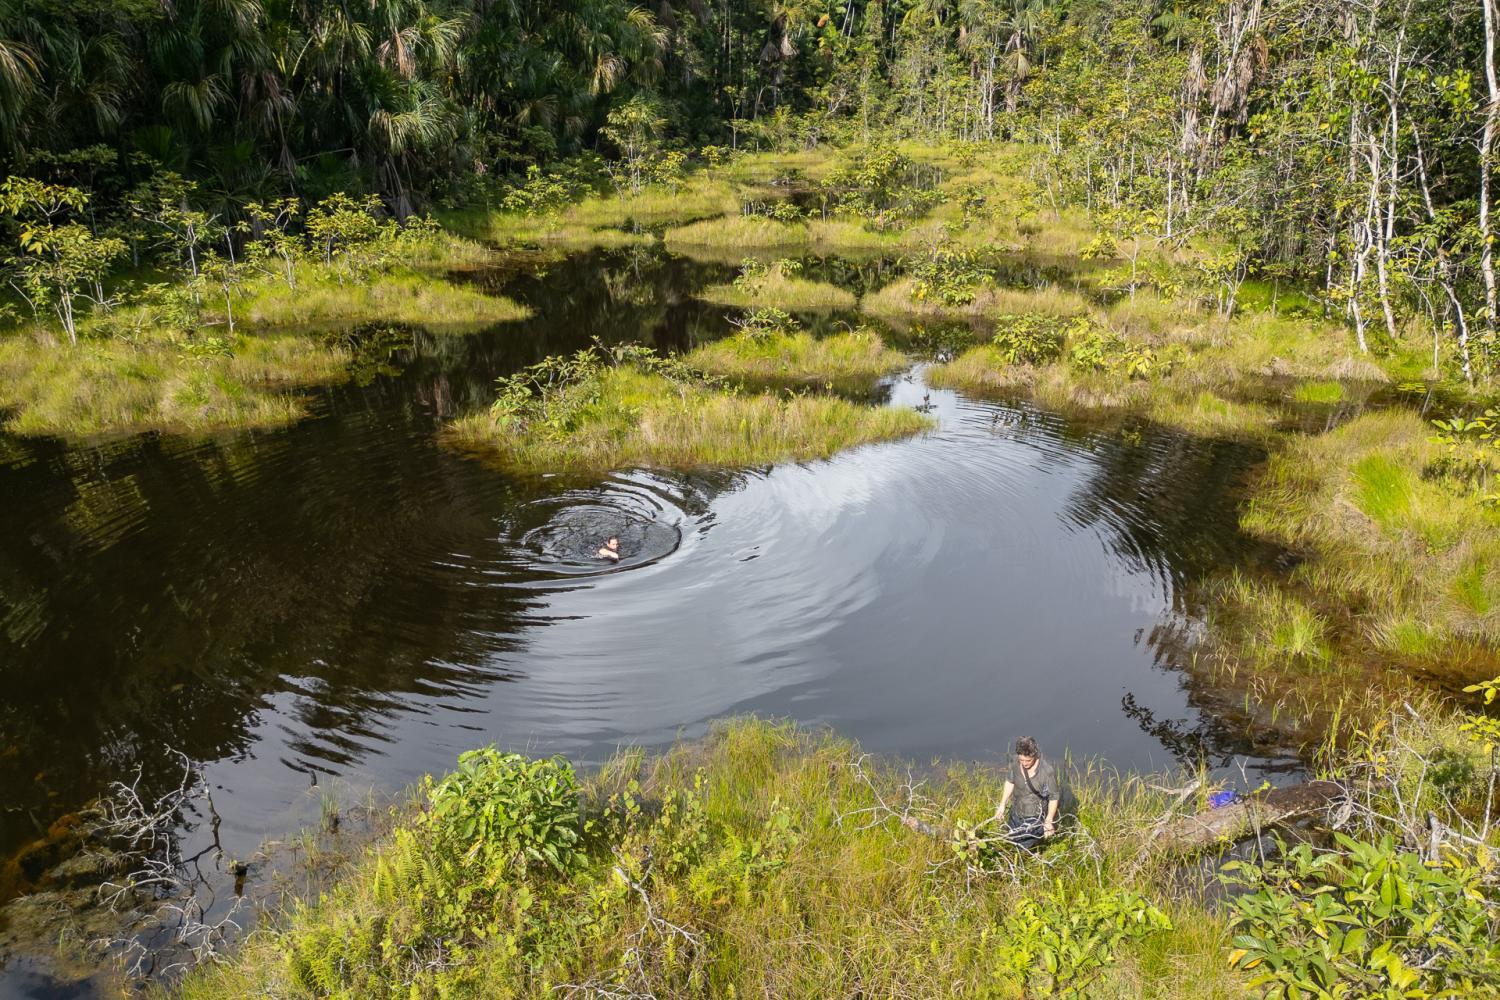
(1121, 213)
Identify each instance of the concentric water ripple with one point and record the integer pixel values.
(563, 534)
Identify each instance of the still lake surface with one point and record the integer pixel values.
(344, 604)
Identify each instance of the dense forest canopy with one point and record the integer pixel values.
(1347, 143)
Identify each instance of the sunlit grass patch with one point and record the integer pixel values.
(781, 291)
(104, 387)
(850, 235)
(434, 303)
(1319, 392)
(898, 300)
(1209, 414)
(844, 360)
(605, 220)
(627, 418)
(1153, 318)
(738, 231)
(1274, 624)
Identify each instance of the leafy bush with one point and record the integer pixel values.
(1060, 943)
(551, 191)
(755, 272)
(1029, 339)
(752, 276)
(767, 321)
(559, 390)
(1369, 920)
(882, 186)
(498, 810)
(1109, 353)
(1471, 454)
(950, 273)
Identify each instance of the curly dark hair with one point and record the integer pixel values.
(1026, 747)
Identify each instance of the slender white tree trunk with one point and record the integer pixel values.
(1486, 162)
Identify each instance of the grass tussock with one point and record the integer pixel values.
(777, 357)
(780, 291)
(759, 862)
(898, 301)
(1407, 562)
(625, 418)
(398, 297)
(738, 232)
(107, 387)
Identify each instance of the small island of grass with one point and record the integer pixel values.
(590, 414)
(738, 232)
(778, 286)
(105, 353)
(770, 350)
(408, 297)
(166, 383)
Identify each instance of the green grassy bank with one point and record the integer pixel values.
(771, 861)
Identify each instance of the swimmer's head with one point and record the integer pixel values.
(613, 544)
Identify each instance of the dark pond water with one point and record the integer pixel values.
(346, 603)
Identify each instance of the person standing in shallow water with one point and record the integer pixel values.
(1031, 794)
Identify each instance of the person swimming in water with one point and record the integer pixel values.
(610, 550)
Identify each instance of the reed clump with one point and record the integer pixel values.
(738, 231)
(779, 289)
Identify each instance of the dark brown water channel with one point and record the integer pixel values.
(346, 604)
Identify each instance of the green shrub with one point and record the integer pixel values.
(1471, 454)
(1109, 353)
(949, 273)
(1369, 920)
(1060, 943)
(881, 186)
(1028, 339)
(502, 810)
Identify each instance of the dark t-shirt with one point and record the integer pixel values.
(1024, 804)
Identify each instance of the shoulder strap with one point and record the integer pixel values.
(1029, 785)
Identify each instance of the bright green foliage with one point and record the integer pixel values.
(345, 228)
(59, 262)
(547, 191)
(1368, 920)
(1471, 453)
(1061, 943)
(501, 809)
(635, 128)
(752, 276)
(766, 322)
(274, 244)
(1482, 728)
(1109, 353)
(882, 186)
(950, 274)
(1028, 339)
